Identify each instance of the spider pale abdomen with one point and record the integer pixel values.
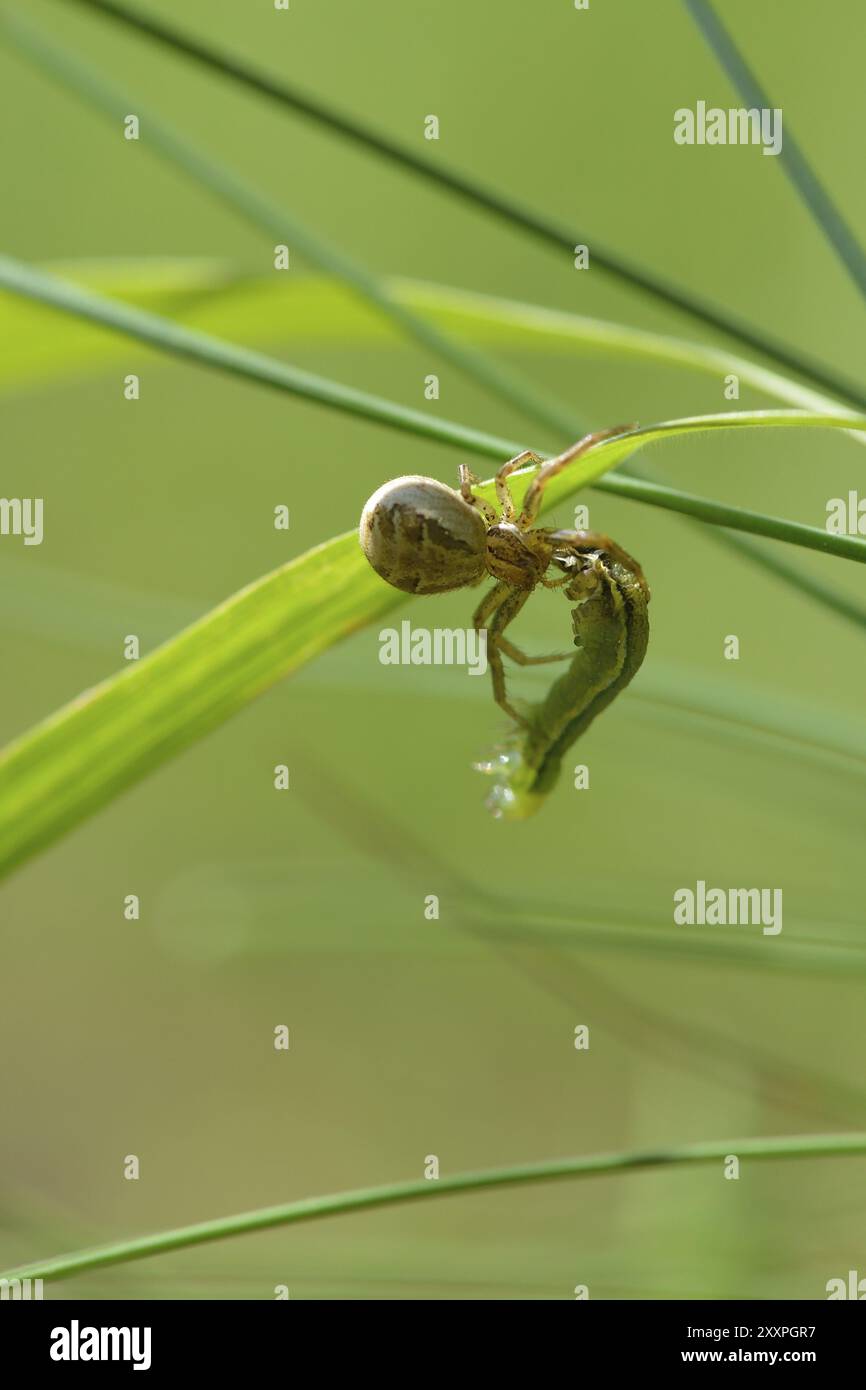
(422, 537)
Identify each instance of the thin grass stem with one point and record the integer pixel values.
(392, 1194)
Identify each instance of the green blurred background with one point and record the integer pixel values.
(453, 1037)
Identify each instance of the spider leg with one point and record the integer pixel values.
(505, 613)
(537, 542)
(506, 502)
(535, 492)
(495, 611)
(523, 660)
(491, 601)
(467, 478)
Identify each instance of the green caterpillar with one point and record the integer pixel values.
(611, 631)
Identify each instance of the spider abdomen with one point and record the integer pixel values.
(422, 537)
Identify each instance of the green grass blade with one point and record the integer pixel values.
(562, 238)
(532, 325)
(87, 83)
(314, 309)
(791, 156)
(839, 604)
(163, 285)
(228, 357)
(278, 223)
(252, 310)
(516, 389)
(70, 765)
(187, 343)
(369, 1198)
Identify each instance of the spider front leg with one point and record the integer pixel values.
(535, 492)
(506, 501)
(468, 479)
